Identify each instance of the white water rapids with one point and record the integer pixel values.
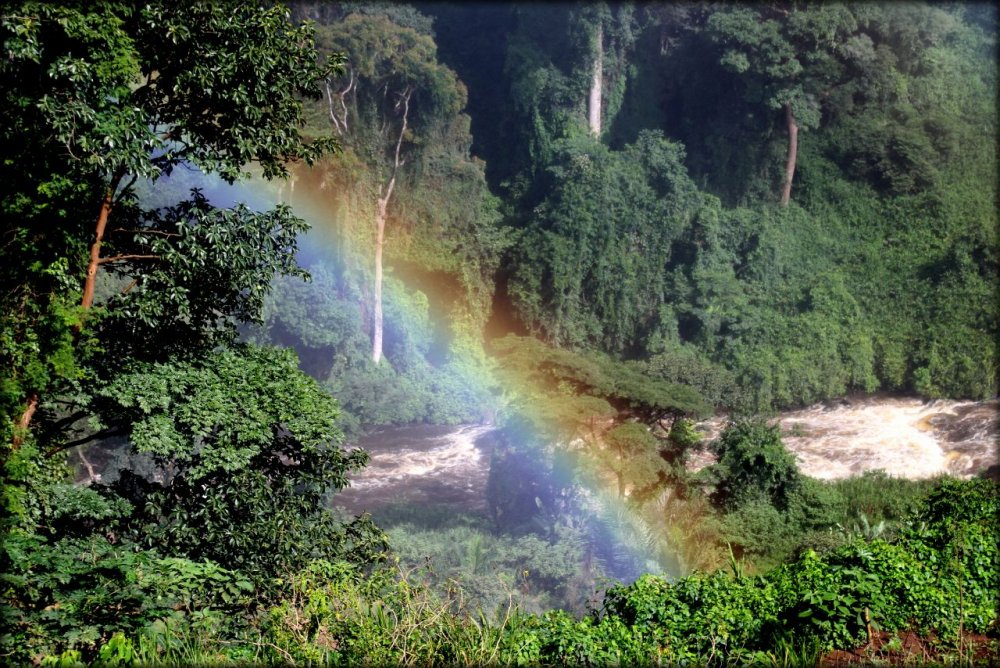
(421, 464)
(906, 437)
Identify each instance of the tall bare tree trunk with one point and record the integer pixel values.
(380, 213)
(793, 147)
(596, 84)
(381, 208)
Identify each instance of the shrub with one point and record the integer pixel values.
(940, 576)
(753, 463)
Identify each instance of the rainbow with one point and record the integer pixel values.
(622, 528)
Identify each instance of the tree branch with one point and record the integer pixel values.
(124, 190)
(120, 258)
(330, 111)
(59, 425)
(156, 232)
(339, 123)
(343, 95)
(104, 433)
(402, 130)
(90, 468)
(95, 247)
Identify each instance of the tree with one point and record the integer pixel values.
(242, 448)
(592, 25)
(98, 96)
(632, 454)
(611, 407)
(593, 268)
(229, 450)
(754, 465)
(610, 33)
(393, 93)
(790, 51)
(567, 68)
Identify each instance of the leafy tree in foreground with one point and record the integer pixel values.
(99, 95)
(243, 463)
(230, 449)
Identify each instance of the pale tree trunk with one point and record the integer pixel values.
(793, 147)
(338, 116)
(380, 212)
(381, 208)
(596, 84)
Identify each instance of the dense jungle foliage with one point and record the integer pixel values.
(665, 232)
(591, 224)
(662, 237)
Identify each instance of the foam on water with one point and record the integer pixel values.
(421, 464)
(906, 437)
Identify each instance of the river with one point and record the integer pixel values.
(421, 464)
(906, 437)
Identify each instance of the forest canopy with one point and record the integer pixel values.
(120, 320)
(668, 230)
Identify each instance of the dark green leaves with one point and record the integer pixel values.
(592, 267)
(220, 411)
(245, 448)
(386, 62)
(753, 463)
(225, 80)
(197, 271)
(137, 91)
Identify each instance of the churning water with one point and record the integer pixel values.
(421, 464)
(906, 437)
